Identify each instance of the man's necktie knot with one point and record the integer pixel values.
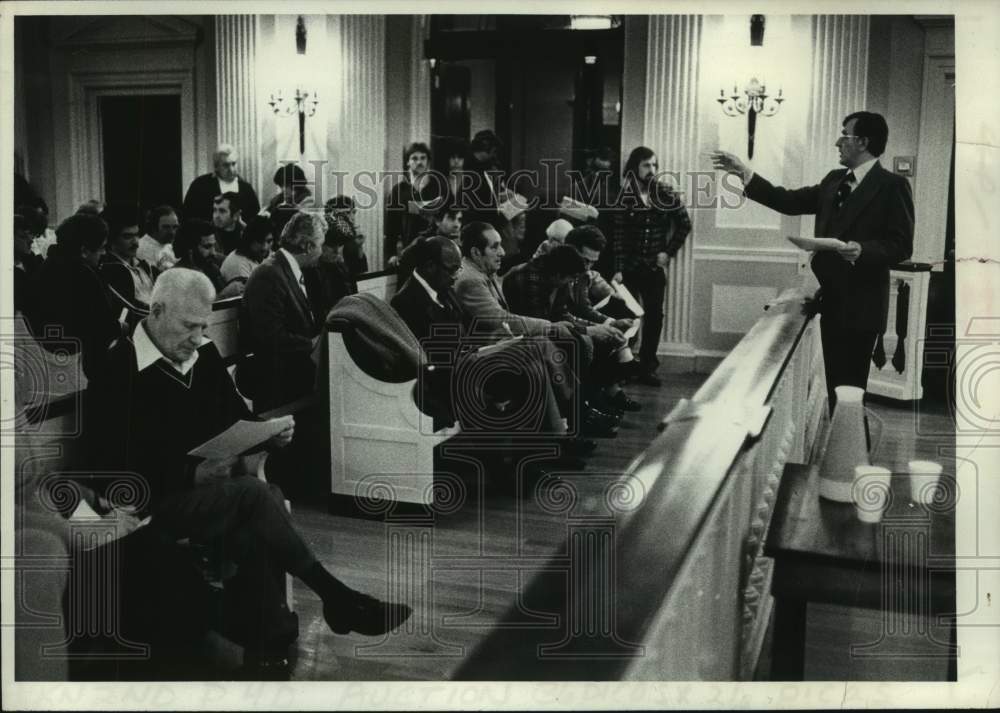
(844, 190)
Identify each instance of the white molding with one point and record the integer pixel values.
(84, 89)
(123, 31)
(721, 253)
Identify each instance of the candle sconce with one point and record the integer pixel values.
(303, 103)
(752, 101)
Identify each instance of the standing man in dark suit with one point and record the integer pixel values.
(276, 321)
(201, 193)
(868, 208)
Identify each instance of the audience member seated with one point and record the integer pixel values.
(589, 289)
(254, 247)
(195, 250)
(157, 246)
(91, 207)
(228, 221)
(447, 223)
(36, 220)
(26, 266)
(69, 293)
(169, 380)
(343, 230)
(483, 303)
(555, 234)
(511, 222)
(293, 189)
(404, 219)
(198, 200)
(428, 306)
(482, 179)
(130, 277)
(329, 279)
(276, 321)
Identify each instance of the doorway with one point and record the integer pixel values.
(141, 149)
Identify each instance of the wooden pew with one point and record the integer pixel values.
(666, 579)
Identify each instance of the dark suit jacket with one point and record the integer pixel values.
(440, 331)
(117, 275)
(878, 215)
(201, 194)
(277, 327)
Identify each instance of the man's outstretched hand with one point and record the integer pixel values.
(725, 161)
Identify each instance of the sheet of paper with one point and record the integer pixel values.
(240, 437)
(817, 243)
(510, 210)
(417, 207)
(630, 301)
(577, 209)
(633, 330)
(502, 344)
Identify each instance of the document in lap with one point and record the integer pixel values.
(240, 438)
(630, 301)
(502, 344)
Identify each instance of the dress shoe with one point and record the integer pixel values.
(595, 424)
(648, 378)
(622, 401)
(364, 614)
(577, 447)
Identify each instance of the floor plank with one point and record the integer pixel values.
(482, 556)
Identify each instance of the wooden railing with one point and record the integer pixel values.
(665, 579)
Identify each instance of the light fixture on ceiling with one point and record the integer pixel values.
(591, 22)
(590, 59)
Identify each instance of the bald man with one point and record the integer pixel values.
(166, 391)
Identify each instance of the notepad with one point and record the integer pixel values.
(241, 437)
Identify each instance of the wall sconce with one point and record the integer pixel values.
(302, 102)
(753, 101)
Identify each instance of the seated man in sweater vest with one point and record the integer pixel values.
(164, 393)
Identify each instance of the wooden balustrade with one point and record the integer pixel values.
(665, 579)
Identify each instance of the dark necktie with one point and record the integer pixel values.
(843, 190)
(497, 293)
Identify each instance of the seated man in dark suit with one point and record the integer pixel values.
(69, 293)
(517, 385)
(276, 320)
(164, 393)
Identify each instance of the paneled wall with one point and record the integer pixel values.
(738, 257)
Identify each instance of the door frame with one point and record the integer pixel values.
(86, 150)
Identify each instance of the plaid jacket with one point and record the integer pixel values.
(529, 292)
(640, 232)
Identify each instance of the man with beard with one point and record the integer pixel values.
(130, 277)
(650, 225)
(404, 220)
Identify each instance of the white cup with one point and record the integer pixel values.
(924, 476)
(870, 492)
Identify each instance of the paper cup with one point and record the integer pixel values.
(870, 492)
(924, 475)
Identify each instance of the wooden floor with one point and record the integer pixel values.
(473, 561)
